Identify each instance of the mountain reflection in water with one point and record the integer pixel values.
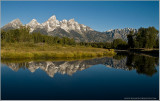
(142, 64)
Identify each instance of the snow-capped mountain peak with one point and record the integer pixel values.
(34, 20)
(16, 21)
(71, 20)
(33, 24)
(52, 23)
(52, 17)
(64, 21)
(13, 24)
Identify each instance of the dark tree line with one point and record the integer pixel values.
(106, 45)
(116, 44)
(22, 35)
(144, 38)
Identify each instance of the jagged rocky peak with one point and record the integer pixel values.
(51, 24)
(72, 21)
(120, 33)
(64, 21)
(124, 29)
(33, 23)
(52, 17)
(15, 24)
(109, 30)
(53, 20)
(33, 20)
(16, 21)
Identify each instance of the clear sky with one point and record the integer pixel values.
(99, 15)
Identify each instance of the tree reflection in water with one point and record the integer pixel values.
(142, 64)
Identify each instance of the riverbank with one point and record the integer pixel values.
(150, 52)
(45, 51)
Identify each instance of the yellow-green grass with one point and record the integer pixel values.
(45, 51)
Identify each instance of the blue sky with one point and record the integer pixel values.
(99, 15)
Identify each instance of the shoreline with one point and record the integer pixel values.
(150, 52)
(53, 59)
(52, 55)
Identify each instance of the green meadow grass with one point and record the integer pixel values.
(45, 51)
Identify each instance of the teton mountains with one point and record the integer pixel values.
(72, 29)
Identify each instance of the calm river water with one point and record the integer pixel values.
(125, 76)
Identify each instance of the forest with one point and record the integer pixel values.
(145, 38)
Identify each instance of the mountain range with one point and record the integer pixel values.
(72, 29)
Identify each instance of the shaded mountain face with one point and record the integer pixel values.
(120, 33)
(70, 28)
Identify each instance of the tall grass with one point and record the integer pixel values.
(40, 50)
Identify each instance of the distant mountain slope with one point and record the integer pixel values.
(71, 29)
(120, 33)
